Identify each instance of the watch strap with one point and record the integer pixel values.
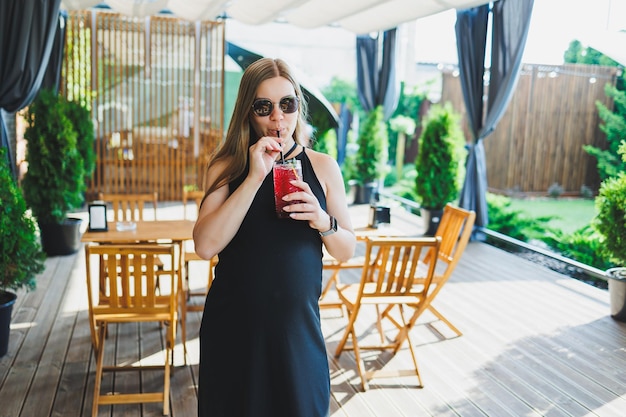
(333, 227)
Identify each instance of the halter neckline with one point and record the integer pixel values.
(290, 151)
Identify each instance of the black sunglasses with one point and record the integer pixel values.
(264, 107)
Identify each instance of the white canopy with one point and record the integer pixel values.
(358, 16)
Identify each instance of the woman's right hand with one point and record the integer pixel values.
(262, 156)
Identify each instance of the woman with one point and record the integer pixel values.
(262, 352)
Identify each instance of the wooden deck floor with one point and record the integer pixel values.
(535, 343)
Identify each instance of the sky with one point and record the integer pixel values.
(554, 24)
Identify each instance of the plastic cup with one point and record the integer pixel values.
(283, 173)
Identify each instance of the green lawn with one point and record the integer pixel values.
(569, 214)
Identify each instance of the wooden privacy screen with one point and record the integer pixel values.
(539, 140)
(155, 87)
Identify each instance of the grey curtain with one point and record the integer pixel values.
(510, 22)
(52, 76)
(345, 121)
(377, 83)
(27, 33)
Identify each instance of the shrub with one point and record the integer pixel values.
(586, 192)
(80, 117)
(437, 164)
(555, 190)
(514, 223)
(610, 220)
(584, 245)
(21, 255)
(609, 162)
(372, 155)
(326, 143)
(55, 180)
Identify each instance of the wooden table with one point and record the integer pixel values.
(402, 223)
(173, 230)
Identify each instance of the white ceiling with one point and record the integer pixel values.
(358, 16)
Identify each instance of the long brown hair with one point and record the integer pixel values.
(240, 132)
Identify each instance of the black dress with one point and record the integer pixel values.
(262, 352)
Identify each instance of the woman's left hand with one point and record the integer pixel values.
(306, 207)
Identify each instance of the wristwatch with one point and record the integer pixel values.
(333, 227)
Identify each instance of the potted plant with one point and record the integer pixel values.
(610, 223)
(80, 117)
(21, 257)
(437, 163)
(372, 155)
(55, 180)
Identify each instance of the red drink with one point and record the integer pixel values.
(283, 174)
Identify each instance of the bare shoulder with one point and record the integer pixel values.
(321, 160)
(326, 169)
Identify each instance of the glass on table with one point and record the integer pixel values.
(125, 226)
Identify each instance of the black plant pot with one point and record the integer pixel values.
(432, 218)
(7, 299)
(58, 239)
(365, 192)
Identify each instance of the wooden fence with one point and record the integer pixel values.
(156, 91)
(539, 140)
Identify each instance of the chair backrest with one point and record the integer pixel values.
(130, 207)
(195, 195)
(392, 266)
(124, 283)
(455, 230)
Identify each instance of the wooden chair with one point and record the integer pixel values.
(129, 296)
(130, 207)
(455, 229)
(392, 268)
(335, 267)
(192, 256)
